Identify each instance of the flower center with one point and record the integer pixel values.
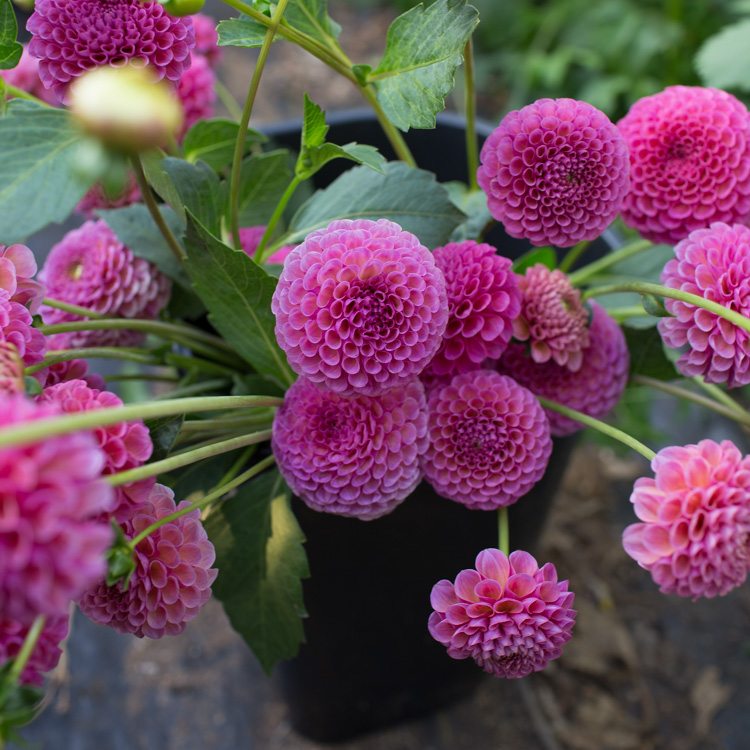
(479, 441)
(371, 310)
(75, 270)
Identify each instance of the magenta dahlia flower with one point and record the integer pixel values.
(594, 389)
(46, 653)
(689, 162)
(53, 537)
(713, 263)
(250, 238)
(96, 198)
(91, 268)
(11, 370)
(489, 440)
(17, 271)
(555, 172)
(172, 578)
(356, 456)
(509, 615)
(16, 327)
(196, 92)
(483, 301)
(25, 76)
(69, 37)
(694, 538)
(360, 307)
(206, 38)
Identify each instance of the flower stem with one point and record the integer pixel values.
(27, 649)
(625, 313)
(719, 395)
(141, 356)
(503, 530)
(399, 145)
(573, 255)
(204, 386)
(260, 254)
(227, 99)
(229, 423)
(600, 426)
(234, 469)
(577, 278)
(155, 377)
(470, 109)
(83, 312)
(14, 91)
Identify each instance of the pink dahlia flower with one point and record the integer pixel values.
(509, 615)
(555, 172)
(356, 456)
(360, 307)
(25, 76)
(73, 369)
(96, 198)
(206, 38)
(483, 301)
(172, 578)
(11, 370)
(70, 37)
(16, 328)
(250, 238)
(17, 271)
(53, 540)
(594, 389)
(694, 538)
(689, 161)
(196, 91)
(46, 653)
(489, 440)
(91, 268)
(713, 263)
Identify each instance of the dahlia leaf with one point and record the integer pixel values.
(212, 141)
(164, 432)
(263, 181)
(311, 18)
(474, 204)
(314, 128)
(237, 293)
(724, 59)
(261, 562)
(10, 49)
(241, 32)
(199, 191)
(424, 47)
(544, 255)
(647, 354)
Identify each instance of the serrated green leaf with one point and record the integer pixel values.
(264, 179)
(424, 47)
(647, 354)
(474, 204)
(261, 562)
(164, 432)
(160, 181)
(212, 141)
(544, 255)
(311, 18)
(314, 128)
(241, 32)
(724, 59)
(10, 49)
(198, 189)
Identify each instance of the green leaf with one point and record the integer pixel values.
(237, 293)
(199, 191)
(314, 128)
(241, 32)
(261, 562)
(263, 181)
(424, 47)
(164, 432)
(474, 204)
(410, 197)
(212, 141)
(724, 59)
(311, 18)
(544, 255)
(160, 181)
(647, 354)
(10, 49)
(39, 183)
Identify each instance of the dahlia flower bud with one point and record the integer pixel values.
(11, 370)
(16, 328)
(25, 76)
(489, 440)
(53, 538)
(250, 238)
(483, 301)
(91, 268)
(97, 198)
(45, 654)
(555, 172)
(172, 577)
(695, 519)
(356, 456)
(206, 38)
(713, 263)
(360, 307)
(689, 160)
(509, 615)
(17, 271)
(594, 389)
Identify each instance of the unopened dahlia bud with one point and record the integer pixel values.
(179, 8)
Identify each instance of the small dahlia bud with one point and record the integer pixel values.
(555, 172)
(250, 238)
(172, 577)
(11, 370)
(91, 268)
(360, 307)
(695, 520)
(45, 654)
(16, 328)
(509, 615)
(489, 440)
(713, 263)
(196, 92)
(483, 301)
(689, 161)
(25, 76)
(206, 38)
(17, 271)
(354, 456)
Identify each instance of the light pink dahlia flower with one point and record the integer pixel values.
(206, 38)
(17, 271)
(250, 238)
(46, 653)
(16, 328)
(11, 370)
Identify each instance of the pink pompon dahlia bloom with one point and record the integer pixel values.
(206, 38)
(555, 172)
(509, 615)
(91, 268)
(250, 238)
(25, 76)
(53, 536)
(172, 578)
(46, 653)
(16, 327)
(694, 535)
(489, 440)
(713, 263)
(96, 198)
(360, 307)
(552, 319)
(483, 301)
(196, 92)
(17, 271)
(594, 389)
(689, 162)
(11, 370)
(70, 37)
(356, 456)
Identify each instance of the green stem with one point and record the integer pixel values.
(235, 468)
(227, 99)
(573, 255)
(239, 145)
(27, 649)
(260, 254)
(600, 426)
(625, 313)
(14, 91)
(83, 312)
(207, 500)
(503, 530)
(141, 356)
(230, 423)
(157, 378)
(470, 109)
(392, 132)
(719, 395)
(577, 278)
(204, 386)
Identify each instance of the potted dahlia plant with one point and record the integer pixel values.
(344, 347)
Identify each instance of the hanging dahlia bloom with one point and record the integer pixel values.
(172, 578)
(11, 370)
(53, 537)
(555, 172)
(594, 389)
(483, 301)
(694, 535)
(91, 268)
(689, 161)
(196, 92)
(46, 653)
(360, 307)
(96, 198)
(16, 328)
(489, 440)
(70, 37)
(713, 263)
(553, 319)
(25, 76)
(356, 456)
(206, 38)
(250, 238)
(17, 271)
(509, 615)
